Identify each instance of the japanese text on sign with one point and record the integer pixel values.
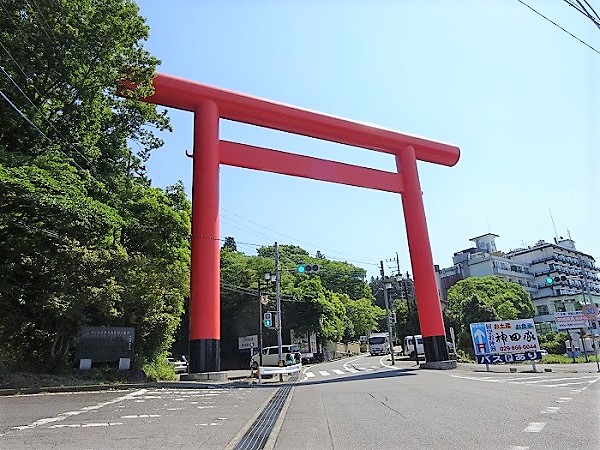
(503, 337)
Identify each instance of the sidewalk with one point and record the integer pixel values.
(235, 378)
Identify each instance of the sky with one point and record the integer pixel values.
(518, 95)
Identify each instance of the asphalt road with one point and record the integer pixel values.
(355, 403)
(361, 404)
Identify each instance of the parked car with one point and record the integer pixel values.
(270, 356)
(180, 365)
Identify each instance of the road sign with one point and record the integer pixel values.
(570, 320)
(246, 342)
(504, 337)
(508, 358)
(590, 310)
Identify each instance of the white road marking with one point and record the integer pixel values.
(140, 416)
(368, 370)
(352, 370)
(86, 425)
(63, 416)
(534, 427)
(324, 373)
(519, 447)
(338, 371)
(309, 374)
(551, 410)
(594, 381)
(554, 379)
(374, 367)
(564, 399)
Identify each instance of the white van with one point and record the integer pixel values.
(270, 356)
(409, 346)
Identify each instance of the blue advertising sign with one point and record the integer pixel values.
(507, 337)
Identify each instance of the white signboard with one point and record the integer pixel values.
(248, 342)
(570, 320)
(313, 342)
(506, 336)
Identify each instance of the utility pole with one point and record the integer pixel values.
(409, 317)
(260, 323)
(278, 297)
(387, 309)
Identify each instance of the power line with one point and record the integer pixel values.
(554, 23)
(42, 114)
(22, 114)
(578, 6)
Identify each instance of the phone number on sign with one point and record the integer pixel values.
(511, 348)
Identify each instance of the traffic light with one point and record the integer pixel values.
(268, 319)
(555, 280)
(307, 268)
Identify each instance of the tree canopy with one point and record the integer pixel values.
(485, 299)
(84, 237)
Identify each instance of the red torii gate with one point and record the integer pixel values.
(209, 104)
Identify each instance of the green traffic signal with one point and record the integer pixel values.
(307, 268)
(267, 323)
(553, 280)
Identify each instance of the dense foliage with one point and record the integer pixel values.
(336, 303)
(484, 299)
(84, 237)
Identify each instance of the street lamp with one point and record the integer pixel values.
(386, 286)
(267, 276)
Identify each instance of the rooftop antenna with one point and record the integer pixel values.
(569, 234)
(554, 226)
(488, 224)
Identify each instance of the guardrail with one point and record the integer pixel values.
(287, 370)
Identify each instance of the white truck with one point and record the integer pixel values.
(379, 343)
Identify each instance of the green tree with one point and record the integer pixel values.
(484, 299)
(364, 316)
(230, 244)
(85, 239)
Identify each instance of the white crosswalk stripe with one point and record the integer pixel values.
(345, 371)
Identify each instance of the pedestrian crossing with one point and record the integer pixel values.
(346, 370)
(574, 382)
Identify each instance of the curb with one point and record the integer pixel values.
(234, 382)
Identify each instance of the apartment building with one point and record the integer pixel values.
(531, 267)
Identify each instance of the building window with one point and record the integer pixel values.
(542, 310)
(559, 307)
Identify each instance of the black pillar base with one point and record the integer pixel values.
(204, 356)
(435, 348)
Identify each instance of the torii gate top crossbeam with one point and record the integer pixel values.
(185, 94)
